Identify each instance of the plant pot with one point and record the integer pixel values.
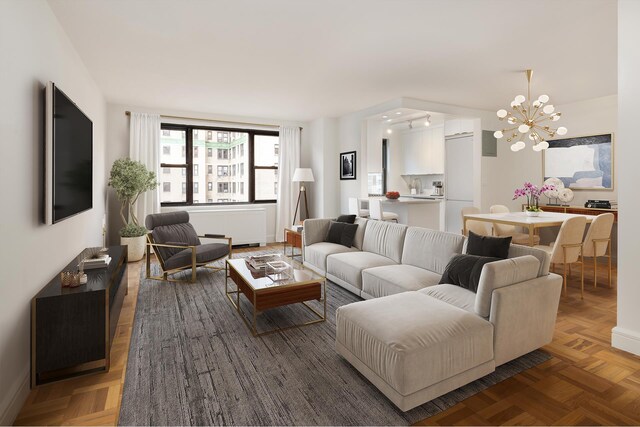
(135, 247)
(532, 213)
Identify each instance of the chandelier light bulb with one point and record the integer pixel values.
(523, 128)
(544, 145)
(513, 104)
(562, 130)
(519, 99)
(548, 109)
(532, 136)
(543, 98)
(512, 120)
(498, 134)
(515, 148)
(537, 148)
(555, 117)
(502, 114)
(537, 103)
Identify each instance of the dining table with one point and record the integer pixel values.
(522, 219)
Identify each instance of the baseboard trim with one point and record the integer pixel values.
(626, 339)
(11, 411)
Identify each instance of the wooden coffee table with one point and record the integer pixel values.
(263, 293)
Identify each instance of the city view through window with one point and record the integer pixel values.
(221, 168)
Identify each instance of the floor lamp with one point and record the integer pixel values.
(302, 175)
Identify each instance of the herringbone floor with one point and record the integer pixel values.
(587, 382)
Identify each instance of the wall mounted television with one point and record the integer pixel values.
(68, 157)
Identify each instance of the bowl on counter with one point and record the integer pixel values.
(392, 195)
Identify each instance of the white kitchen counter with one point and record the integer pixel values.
(417, 212)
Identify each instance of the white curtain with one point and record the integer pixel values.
(289, 160)
(144, 146)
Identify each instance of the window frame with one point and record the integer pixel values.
(188, 166)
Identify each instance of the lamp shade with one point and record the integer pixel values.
(303, 175)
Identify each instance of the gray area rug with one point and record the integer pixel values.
(193, 361)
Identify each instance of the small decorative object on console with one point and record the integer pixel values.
(598, 204)
(566, 196)
(553, 194)
(392, 195)
(70, 279)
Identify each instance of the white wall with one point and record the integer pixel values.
(35, 50)
(320, 153)
(118, 146)
(501, 175)
(626, 335)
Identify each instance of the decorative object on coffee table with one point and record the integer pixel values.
(130, 179)
(348, 165)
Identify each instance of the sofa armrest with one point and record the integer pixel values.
(315, 230)
(524, 316)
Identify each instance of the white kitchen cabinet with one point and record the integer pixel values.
(423, 151)
(457, 126)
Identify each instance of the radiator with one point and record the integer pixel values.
(245, 226)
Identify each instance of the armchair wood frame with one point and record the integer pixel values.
(194, 264)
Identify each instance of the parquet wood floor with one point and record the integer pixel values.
(585, 383)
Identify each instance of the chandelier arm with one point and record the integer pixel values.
(535, 113)
(509, 129)
(524, 117)
(550, 131)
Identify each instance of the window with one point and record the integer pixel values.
(241, 165)
(166, 150)
(377, 181)
(166, 187)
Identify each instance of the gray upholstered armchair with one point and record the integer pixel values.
(177, 245)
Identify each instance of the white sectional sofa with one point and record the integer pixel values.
(415, 339)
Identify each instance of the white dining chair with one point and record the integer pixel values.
(567, 249)
(597, 243)
(478, 227)
(376, 211)
(356, 207)
(504, 230)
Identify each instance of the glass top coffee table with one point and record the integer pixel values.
(283, 282)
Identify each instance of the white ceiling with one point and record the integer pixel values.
(303, 59)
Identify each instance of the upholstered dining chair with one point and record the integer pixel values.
(356, 207)
(376, 211)
(567, 249)
(504, 230)
(177, 245)
(478, 227)
(597, 243)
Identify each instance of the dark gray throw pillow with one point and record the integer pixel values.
(464, 270)
(342, 233)
(497, 247)
(349, 219)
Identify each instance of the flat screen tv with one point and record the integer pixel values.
(68, 157)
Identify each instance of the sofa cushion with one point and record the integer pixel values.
(204, 253)
(543, 257)
(392, 279)
(342, 233)
(348, 266)
(317, 253)
(349, 219)
(464, 270)
(503, 273)
(384, 238)
(430, 249)
(182, 234)
(359, 237)
(495, 247)
(452, 294)
(412, 340)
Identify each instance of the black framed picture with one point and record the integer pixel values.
(348, 165)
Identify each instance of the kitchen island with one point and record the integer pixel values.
(417, 212)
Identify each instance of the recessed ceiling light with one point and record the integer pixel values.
(398, 112)
(384, 117)
(389, 120)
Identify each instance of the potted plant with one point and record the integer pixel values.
(130, 179)
(532, 193)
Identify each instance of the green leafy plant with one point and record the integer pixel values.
(132, 230)
(130, 179)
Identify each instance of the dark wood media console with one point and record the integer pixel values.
(72, 328)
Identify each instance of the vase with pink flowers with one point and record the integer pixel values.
(532, 193)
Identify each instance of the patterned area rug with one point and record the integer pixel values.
(193, 361)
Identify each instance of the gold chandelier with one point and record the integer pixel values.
(530, 119)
